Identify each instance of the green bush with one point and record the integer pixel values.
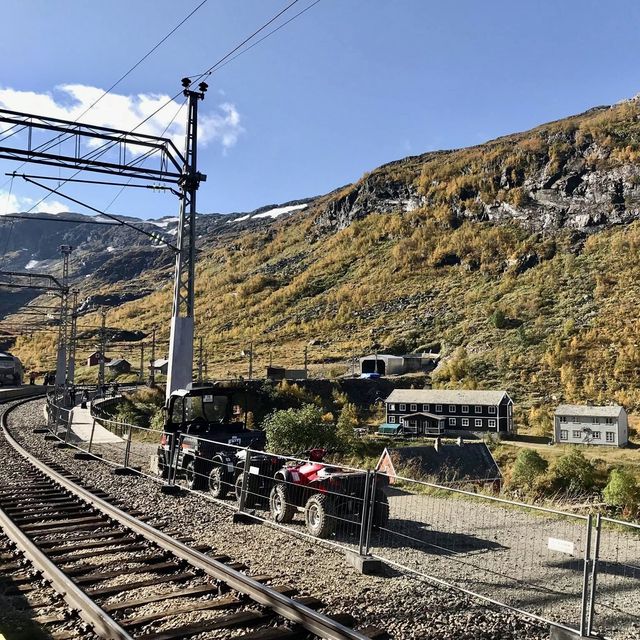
(294, 430)
(527, 468)
(622, 490)
(573, 473)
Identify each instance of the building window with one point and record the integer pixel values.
(465, 422)
(563, 418)
(452, 408)
(425, 407)
(564, 434)
(391, 420)
(414, 407)
(478, 409)
(609, 420)
(465, 408)
(492, 411)
(611, 436)
(596, 435)
(492, 424)
(478, 423)
(452, 422)
(438, 408)
(510, 409)
(403, 407)
(595, 420)
(577, 433)
(391, 407)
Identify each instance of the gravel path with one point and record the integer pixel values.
(407, 607)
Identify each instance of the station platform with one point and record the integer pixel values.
(81, 424)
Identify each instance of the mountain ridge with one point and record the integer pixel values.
(511, 255)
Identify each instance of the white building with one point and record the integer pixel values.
(584, 424)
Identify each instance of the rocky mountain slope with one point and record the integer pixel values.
(516, 257)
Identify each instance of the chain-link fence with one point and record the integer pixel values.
(580, 573)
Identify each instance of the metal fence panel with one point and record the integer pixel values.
(616, 593)
(520, 556)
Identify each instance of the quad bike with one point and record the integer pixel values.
(326, 494)
(227, 475)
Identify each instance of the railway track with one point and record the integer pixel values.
(129, 580)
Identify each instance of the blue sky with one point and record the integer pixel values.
(347, 86)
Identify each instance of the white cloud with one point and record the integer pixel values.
(69, 101)
(12, 203)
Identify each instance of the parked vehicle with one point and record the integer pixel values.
(199, 422)
(11, 371)
(228, 476)
(325, 494)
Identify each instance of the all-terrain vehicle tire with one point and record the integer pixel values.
(381, 511)
(163, 468)
(280, 507)
(317, 516)
(250, 500)
(195, 480)
(218, 483)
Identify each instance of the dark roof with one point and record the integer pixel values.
(118, 362)
(471, 461)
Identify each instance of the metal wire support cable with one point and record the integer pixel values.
(124, 75)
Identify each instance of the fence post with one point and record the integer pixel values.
(585, 579)
(243, 516)
(594, 575)
(372, 508)
(69, 422)
(127, 447)
(93, 428)
(365, 514)
(245, 480)
(173, 460)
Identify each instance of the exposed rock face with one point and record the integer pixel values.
(587, 185)
(370, 196)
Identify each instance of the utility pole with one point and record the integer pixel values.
(71, 363)
(182, 322)
(206, 370)
(306, 361)
(200, 361)
(152, 370)
(61, 360)
(103, 346)
(142, 363)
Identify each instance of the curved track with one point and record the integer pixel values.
(112, 567)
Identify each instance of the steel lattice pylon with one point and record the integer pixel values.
(180, 371)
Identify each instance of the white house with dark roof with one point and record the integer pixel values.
(437, 411)
(585, 424)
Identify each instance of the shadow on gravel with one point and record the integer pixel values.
(16, 614)
(409, 534)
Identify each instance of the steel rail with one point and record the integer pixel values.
(318, 623)
(86, 608)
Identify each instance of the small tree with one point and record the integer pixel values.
(348, 420)
(528, 467)
(498, 319)
(573, 472)
(622, 490)
(294, 430)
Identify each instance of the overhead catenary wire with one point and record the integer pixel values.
(210, 70)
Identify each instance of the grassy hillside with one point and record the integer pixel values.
(547, 314)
